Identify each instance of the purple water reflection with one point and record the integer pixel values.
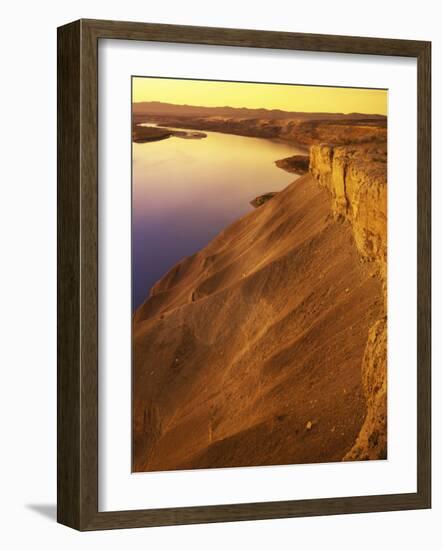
(186, 191)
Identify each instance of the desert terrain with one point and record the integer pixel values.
(268, 346)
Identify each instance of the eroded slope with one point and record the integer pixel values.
(250, 352)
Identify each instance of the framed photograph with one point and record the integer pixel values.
(243, 275)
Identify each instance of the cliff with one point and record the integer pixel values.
(356, 179)
(250, 351)
(303, 131)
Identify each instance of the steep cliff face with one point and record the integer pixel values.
(313, 132)
(304, 132)
(356, 178)
(371, 443)
(268, 346)
(250, 351)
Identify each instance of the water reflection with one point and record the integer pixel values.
(186, 191)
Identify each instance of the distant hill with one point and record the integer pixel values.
(159, 108)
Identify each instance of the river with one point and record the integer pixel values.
(185, 191)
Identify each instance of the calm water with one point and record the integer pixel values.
(185, 191)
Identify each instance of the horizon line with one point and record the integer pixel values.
(257, 108)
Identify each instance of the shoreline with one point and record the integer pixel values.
(301, 133)
(302, 148)
(273, 378)
(254, 200)
(196, 285)
(295, 254)
(147, 134)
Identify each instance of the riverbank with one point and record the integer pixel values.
(292, 366)
(200, 186)
(145, 134)
(356, 180)
(300, 129)
(297, 164)
(274, 377)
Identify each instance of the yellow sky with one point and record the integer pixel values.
(269, 96)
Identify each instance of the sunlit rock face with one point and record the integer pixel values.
(268, 345)
(242, 354)
(356, 178)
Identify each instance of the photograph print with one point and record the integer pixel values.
(259, 274)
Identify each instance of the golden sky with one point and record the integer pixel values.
(269, 96)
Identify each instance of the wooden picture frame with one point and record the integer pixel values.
(77, 226)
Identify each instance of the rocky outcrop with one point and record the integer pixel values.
(297, 164)
(304, 132)
(356, 178)
(371, 443)
(292, 366)
(251, 349)
(262, 199)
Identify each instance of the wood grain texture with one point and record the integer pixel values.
(424, 275)
(77, 225)
(68, 276)
(252, 38)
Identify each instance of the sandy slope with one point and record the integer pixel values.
(250, 352)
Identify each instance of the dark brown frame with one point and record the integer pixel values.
(77, 224)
